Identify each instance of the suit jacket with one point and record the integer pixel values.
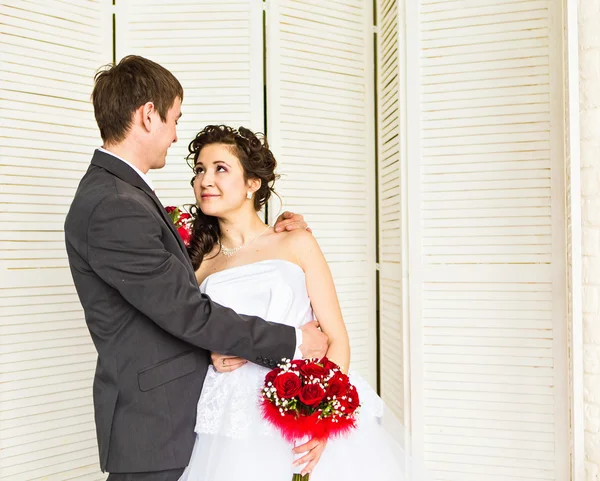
(150, 324)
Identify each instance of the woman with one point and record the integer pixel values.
(289, 279)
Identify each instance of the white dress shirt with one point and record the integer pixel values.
(146, 179)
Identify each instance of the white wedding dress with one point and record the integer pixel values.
(233, 441)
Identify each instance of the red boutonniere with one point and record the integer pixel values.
(183, 223)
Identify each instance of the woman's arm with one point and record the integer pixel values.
(323, 296)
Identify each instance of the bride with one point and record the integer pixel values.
(240, 263)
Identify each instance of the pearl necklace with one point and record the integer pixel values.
(230, 252)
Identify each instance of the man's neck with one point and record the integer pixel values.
(128, 152)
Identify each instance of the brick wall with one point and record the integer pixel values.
(589, 51)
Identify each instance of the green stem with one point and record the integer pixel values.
(299, 477)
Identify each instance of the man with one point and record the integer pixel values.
(151, 326)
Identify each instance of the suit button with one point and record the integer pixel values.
(259, 359)
(272, 363)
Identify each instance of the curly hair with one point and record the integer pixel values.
(257, 162)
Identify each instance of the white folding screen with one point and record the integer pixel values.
(391, 183)
(320, 109)
(50, 51)
(215, 49)
(320, 124)
(486, 239)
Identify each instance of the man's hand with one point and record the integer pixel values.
(224, 363)
(290, 221)
(315, 450)
(314, 342)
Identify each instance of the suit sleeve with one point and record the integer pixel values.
(125, 249)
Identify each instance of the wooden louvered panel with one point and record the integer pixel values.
(47, 363)
(487, 290)
(50, 52)
(489, 377)
(47, 124)
(392, 352)
(319, 103)
(215, 49)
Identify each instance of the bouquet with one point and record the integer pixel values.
(309, 398)
(183, 223)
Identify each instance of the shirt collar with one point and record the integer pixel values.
(144, 177)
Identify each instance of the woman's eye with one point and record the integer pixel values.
(220, 168)
(198, 170)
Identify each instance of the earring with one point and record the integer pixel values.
(249, 195)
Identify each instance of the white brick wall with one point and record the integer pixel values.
(589, 51)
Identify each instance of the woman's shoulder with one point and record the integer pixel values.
(298, 238)
(301, 246)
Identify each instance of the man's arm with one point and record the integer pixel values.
(126, 250)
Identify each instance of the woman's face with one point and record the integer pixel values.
(219, 184)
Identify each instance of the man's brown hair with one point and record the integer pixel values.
(121, 89)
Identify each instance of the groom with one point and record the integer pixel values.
(151, 326)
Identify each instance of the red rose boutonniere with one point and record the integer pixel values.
(183, 223)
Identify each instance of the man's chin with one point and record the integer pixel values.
(159, 164)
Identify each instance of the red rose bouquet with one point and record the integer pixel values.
(309, 398)
(183, 223)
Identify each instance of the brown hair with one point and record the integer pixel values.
(257, 162)
(121, 89)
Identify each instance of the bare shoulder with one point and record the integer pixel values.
(301, 246)
(299, 239)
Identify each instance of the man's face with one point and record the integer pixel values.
(165, 134)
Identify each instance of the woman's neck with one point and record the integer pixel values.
(240, 228)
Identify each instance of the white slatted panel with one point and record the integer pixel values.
(392, 353)
(320, 110)
(50, 50)
(215, 49)
(487, 268)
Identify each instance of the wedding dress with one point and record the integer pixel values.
(234, 442)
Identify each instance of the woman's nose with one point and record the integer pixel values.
(207, 180)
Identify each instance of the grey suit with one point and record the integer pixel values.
(151, 326)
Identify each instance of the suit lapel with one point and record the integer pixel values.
(127, 174)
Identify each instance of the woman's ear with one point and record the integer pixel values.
(254, 185)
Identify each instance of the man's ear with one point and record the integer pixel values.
(146, 111)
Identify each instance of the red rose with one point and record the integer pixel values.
(184, 216)
(287, 385)
(170, 209)
(312, 369)
(271, 375)
(342, 377)
(329, 365)
(312, 394)
(352, 400)
(298, 363)
(336, 387)
(185, 234)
